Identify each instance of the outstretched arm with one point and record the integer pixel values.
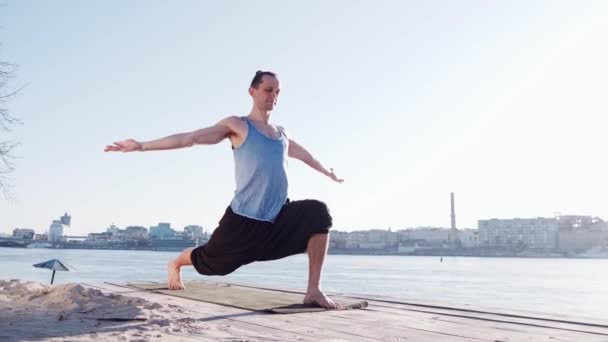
(298, 152)
(204, 136)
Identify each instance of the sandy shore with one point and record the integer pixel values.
(114, 312)
(31, 311)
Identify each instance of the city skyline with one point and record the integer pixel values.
(500, 103)
(562, 236)
(343, 229)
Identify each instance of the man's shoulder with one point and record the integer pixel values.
(234, 123)
(233, 119)
(283, 130)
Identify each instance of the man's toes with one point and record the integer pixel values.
(327, 303)
(332, 304)
(175, 286)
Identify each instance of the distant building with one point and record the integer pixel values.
(99, 237)
(132, 233)
(412, 246)
(356, 238)
(378, 239)
(136, 233)
(119, 235)
(531, 233)
(468, 237)
(66, 219)
(41, 237)
(163, 230)
(25, 234)
(372, 245)
(392, 238)
(575, 222)
(195, 231)
(580, 233)
(337, 239)
(56, 231)
(112, 229)
(432, 235)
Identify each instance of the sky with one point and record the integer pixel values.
(501, 102)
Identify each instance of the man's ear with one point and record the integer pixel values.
(251, 91)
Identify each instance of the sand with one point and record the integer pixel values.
(30, 311)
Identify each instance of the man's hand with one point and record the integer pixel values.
(333, 176)
(129, 145)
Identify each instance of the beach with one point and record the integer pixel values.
(30, 311)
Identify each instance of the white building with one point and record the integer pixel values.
(162, 230)
(136, 233)
(337, 239)
(579, 233)
(468, 237)
(96, 237)
(25, 234)
(355, 238)
(55, 231)
(431, 235)
(532, 233)
(195, 231)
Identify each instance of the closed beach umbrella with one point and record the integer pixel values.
(53, 264)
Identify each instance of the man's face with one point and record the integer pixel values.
(266, 94)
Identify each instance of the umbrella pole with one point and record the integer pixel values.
(53, 277)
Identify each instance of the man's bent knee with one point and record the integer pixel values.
(321, 213)
(221, 271)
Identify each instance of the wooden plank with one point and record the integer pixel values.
(556, 320)
(497, 311)
(481, 327)
(473, 328)
(322, 325)
(486, 316)
(385, 300)
(380, 322)
(236, 319)
(489, 317)
(324, 322)
(359, 328)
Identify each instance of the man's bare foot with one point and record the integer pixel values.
(174, 277)
(319, 298)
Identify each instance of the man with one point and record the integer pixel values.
(261, 222)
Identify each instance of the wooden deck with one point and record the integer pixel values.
(382, 320)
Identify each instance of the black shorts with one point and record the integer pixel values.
(240, 240)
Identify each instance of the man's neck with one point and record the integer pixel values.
(259, 115)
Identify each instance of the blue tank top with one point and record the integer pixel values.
(260, 164)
